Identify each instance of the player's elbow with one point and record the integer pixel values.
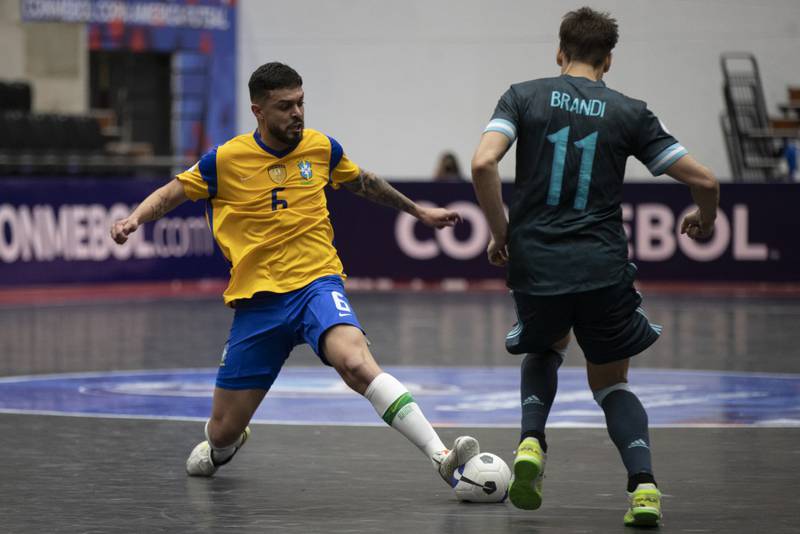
(483, 165)
(174, 193)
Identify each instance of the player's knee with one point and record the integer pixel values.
(354, 370)
(346, 350)
(606, 375)
(599, 382)
(341, 341)
(561, 345)
(601, 394)
(534, 361)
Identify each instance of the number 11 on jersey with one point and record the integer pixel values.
(587, 145)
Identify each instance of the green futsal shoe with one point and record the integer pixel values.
(526, 486)
(200, 463)
(645, 510)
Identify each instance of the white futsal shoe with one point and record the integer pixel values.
(200, 463)
(447, 461)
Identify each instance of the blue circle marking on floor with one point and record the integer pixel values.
(455, 396)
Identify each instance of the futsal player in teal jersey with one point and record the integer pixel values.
(566, 249)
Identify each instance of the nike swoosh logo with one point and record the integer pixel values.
(344, 314)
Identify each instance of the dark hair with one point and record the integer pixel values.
(449, 163)
(272, 76)
(448, 169)
(588, 36)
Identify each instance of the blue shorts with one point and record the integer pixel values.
(268, 326)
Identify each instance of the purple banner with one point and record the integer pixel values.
(55, 230)
(755, 237)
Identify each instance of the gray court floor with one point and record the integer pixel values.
(72, 474)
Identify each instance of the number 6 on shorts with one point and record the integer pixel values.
(341, 302)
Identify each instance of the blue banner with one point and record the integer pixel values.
(200, 35)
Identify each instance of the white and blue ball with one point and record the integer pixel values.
(484, 478)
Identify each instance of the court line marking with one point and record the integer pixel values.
(377, 424)
(399, 368)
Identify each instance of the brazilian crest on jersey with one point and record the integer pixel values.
(305, 170)
(268, 212)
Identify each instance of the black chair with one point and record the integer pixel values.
(757, 152)
(22, 97)
(59, 138)
(6, 127)
(88, 137)
(6, 97)
(41, 131)
(16, 130)
(15, 96)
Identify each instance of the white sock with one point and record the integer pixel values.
(220, 454)
(396, 406)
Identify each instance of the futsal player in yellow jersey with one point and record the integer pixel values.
(267, 210)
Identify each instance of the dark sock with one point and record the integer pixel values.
(535, 434)
(626, 420)
(640, 478)
(537, 390)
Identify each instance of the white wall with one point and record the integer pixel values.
(52, 56)
(12, 41)
(398, 82)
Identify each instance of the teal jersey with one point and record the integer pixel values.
(573, 136)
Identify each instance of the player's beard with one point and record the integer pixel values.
(288, 136)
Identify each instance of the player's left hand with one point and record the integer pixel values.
(438, 217)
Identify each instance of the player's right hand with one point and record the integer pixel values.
(695, 227)
(497, 252)
(121, 229)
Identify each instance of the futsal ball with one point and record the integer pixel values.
(484, 478)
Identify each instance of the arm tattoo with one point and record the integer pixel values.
(160, 208)
(378, 190)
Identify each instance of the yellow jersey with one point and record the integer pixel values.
(268, 212)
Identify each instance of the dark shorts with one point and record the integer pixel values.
(609, 323)
(268, 326)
